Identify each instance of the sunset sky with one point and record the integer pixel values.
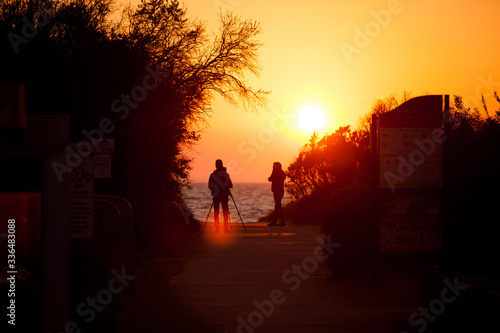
(340, 56)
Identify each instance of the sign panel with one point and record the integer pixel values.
(410, 158)
(81, 184)
(410, 144)
(48, 128)
(81, 190)
(104, 146)
(102, 166)
(418, 112)
(409, 141)
(411, 223)
(410, 233)
(81, 217)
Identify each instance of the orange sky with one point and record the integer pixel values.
(314, 54)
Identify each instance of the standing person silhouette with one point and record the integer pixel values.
(219, 184)
(277, 180)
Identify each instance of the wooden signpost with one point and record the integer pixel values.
(407, 143)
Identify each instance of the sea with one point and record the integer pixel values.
(253, 200)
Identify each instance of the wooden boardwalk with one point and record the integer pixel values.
(266, 280)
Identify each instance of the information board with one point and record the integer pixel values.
(102, 166)
(81, 190)
(410, 141)
(48, 128)
(410, 158)
(410, 233)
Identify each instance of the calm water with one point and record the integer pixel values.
(254, 200)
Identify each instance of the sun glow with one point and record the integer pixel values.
(311, 118)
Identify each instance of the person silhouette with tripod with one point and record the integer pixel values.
(220, 184)
(277, 180)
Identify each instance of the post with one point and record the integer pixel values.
(55, 248)
(447, 124)
(374, 151)
(243, 224)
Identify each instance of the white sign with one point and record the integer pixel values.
(48, 128)
(81, 180)
(410, 158)
(103, 146)
(410, 233)
(81, 217)
(102, 166)
(411, 223)
(81, 189)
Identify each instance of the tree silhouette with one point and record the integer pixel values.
(81, 62)
(382, 105)
(330, 181)
(334, 160)
(198, 68)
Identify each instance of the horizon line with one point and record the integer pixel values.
(235, 182)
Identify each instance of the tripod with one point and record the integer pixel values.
(208, 215)
(243, 224)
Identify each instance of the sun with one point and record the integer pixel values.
(311, 118)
